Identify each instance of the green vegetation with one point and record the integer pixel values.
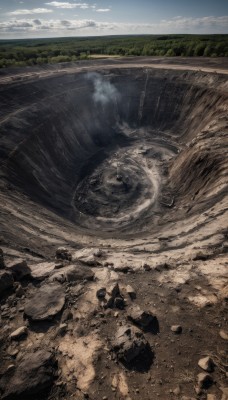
(43, 51)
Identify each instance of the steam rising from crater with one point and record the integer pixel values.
(104, 91)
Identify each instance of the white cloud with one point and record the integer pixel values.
(103, 10)
(68, 5)
(32, 11)
(57, 27)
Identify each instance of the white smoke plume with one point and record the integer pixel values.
(104, 91)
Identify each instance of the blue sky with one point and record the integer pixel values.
(49, 18)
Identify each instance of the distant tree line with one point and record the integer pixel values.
(45, 51)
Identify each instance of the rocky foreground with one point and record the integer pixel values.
(78, 327)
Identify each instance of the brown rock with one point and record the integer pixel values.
(45, 302)
(19, 269)
(176, 329)
(144, 319)
(63, 254)
(19, 333)
(131, 292)
(34, 373)
(129, 343)
(206, 364)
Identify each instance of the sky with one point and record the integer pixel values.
(47, 18)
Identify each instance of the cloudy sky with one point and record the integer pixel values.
(47, 18)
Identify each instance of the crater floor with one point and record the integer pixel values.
(123, 163)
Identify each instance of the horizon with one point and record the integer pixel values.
(43, 19)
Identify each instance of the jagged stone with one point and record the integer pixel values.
(19, 291)
(19, 333)
(34, 373)
(6, 281)
(113, 290)
(131, 292)
(45, 302)
(206, 364)
(66, 316)
(129, 343)
(63, 254)
(144, 319)
(19, 269)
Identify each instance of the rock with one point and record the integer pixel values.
(62, 329)
(224, 393)
(146, 267)
(98, 253)
(22, 331)
(72, 273)
(119, 303)
(10, 368)
(129, 343)
(176, 329)
(131, 292)
(223, 334)
(88, 256)
(19, 269)
(113, 290)
(204, 380)
(206, 364)
(2, 263)
(45, 302)
(13, 352)
(144, 319)
(101, 293)
(224, 293)
(63, 254)
(211, 397)
(6, 281)
(177, 391)
(42, 270)
(33, 375)
(19, 291)
(66, 316)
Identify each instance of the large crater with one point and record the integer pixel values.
(119, 149)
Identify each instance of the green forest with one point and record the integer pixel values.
(43, 51)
